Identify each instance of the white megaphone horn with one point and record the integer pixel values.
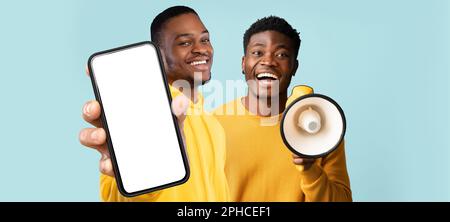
(313, 125)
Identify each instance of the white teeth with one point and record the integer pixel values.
(194, 63)
(266, 74)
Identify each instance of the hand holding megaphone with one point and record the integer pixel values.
(313, 125)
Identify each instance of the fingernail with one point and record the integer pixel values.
(87, 109)
(94, 135)
(83, 135)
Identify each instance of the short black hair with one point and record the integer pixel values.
(273, 23)
(159, 21)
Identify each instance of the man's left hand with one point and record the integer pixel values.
(305, 162)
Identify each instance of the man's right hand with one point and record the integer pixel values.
(96, 137)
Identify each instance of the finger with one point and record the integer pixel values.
(297, 156)
(303, 161)
(105, 161)
(298, 161)
(91, 113)
(103, 150)
(92, 137)
(106, 167)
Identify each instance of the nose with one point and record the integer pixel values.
(200, 48)
(268, 60)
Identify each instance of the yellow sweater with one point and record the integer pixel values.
(205, 146)
(260, 168)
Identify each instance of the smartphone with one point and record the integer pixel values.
(143, 137)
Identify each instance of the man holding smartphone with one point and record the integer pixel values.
(187, 53)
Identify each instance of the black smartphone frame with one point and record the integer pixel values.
(105, 123)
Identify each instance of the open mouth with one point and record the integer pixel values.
(198, 62)
(266, 76)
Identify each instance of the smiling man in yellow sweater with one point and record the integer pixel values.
(187, 52)
(258, 165)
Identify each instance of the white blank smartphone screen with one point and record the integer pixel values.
(139, 118)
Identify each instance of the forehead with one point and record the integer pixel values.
(270, 38)
(188, 23)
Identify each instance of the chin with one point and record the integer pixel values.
(202, 79)
(205, 79)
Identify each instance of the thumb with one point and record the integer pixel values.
(87, 71)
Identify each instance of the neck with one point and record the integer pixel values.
(265, 106)
(190, 92)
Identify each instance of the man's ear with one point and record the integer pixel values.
(294, 70)
(243, 64)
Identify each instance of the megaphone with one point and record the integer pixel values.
(312, 125)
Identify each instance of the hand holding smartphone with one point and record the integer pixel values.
(142, 134)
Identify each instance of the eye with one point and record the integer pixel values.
(256, 53)
(184, 44)
(283, 55)
(205, 40)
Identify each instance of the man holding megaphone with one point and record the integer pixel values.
(259, 165)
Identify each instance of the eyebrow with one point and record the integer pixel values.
(283, 46)
(189, 34)
(258, 44)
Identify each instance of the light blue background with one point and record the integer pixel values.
(386, 62)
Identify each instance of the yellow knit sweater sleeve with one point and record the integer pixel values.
(109, 192)
(327, 178)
